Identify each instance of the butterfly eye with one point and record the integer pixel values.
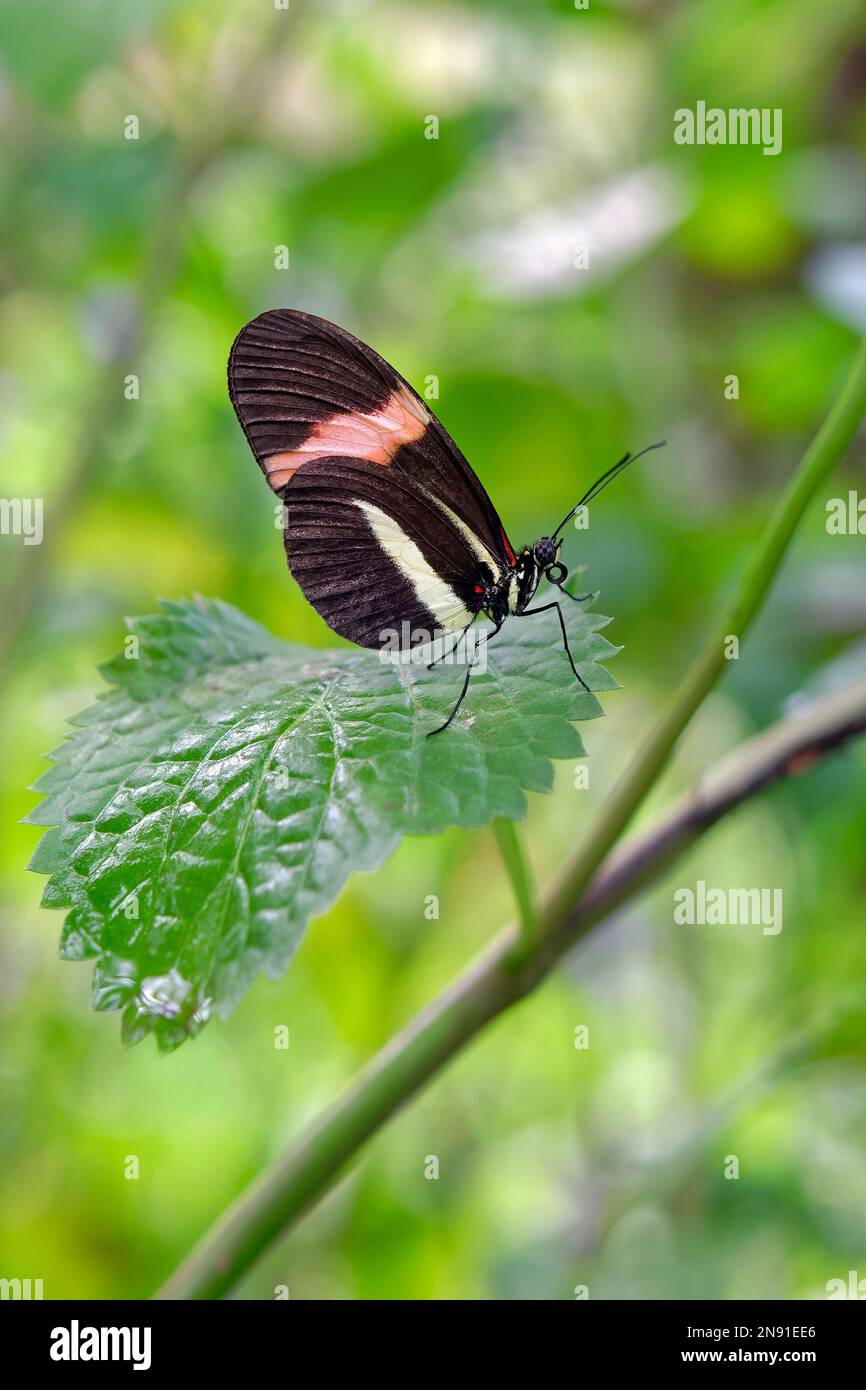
(555, 573)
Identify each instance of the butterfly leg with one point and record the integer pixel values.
(442, 656)
(462, 696)
(579, 598)
(544, 609)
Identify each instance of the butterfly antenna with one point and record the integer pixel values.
(601, 483)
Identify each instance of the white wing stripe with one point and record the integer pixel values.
(478, 548)
(433, 592)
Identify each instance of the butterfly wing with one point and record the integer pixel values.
(386, 524)
(376, 560)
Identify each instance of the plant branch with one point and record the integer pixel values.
(520, 877)
(277, 1199)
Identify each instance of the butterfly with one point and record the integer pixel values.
(386, 527)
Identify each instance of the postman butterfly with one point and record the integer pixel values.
(386, 525)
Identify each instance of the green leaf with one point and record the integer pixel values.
(220, 793)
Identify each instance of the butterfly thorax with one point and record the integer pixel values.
(525, 581)
(512, 591)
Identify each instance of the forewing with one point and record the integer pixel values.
(305, 390)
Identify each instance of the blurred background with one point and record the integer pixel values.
(578, 284)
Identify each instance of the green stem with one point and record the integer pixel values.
(492, 983)
(520, 877)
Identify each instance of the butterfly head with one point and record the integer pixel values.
(545, 554)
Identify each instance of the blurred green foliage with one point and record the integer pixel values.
(455, 258)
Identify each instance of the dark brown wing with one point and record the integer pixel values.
(306, 390)
(376, 557)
